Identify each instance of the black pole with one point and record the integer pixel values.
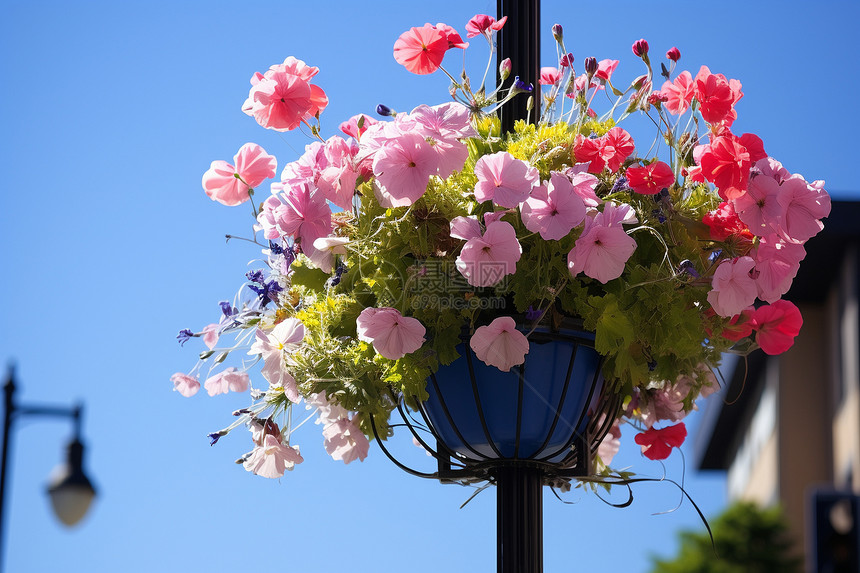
(8, 410)
(519, 40)
(519, 518)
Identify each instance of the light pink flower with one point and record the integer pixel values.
(403, 168)
(283, 97)
(185, 384)
(306, 216)
(504, 179)
(553, 210)
(584, 184)
(760, 207)
(230, 184)
(337, 179)
(601, 252)
(610, 444)
(230, 380)
(306, 169)
(613, 215)
(776, 265)
(549, 76)
(325, 249)
(345, 441)
(483, 24)
(210, 335)
(271, 211)
(465, 228)
(272, 458)
(485, 260)
(500, 344)
(392, 334)
(446, 121)
(351, 128)
(733, 289)
(276, 346)
(805, 205)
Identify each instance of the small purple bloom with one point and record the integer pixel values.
(686, 266)
(532, 314)
(183, 336)
(383, 110)
(520, 85)
(227, 308)
(214, 437)
(255, 276)
(652, 365)
(619, 185)
(275, 248)
(268, 291)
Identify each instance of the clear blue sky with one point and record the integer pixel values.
(110, 112)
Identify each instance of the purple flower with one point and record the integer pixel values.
(532, 314)
(215, 436)
(383, 110)
(275, 248)
(619, 185)
(687, 266)
(268, 291)
(183, 336)
(227, 308)
(255, 277)
(520, 85)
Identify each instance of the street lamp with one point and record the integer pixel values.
(70, 491)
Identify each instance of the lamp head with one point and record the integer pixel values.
(70, 489)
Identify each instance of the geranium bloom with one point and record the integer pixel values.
(725, 163)
(679, 93)
(351, 126)
(392, 334)
(485, 260)
(650, 179)
(185, 384)
(305, 217)
(601, 252)
(776, 264)
(500, 344)
(483, 24)
(725, 223)
(760, 207)
(230, 380)
(554, 209)
(733, 289)
(776, 326)
(504, 179)
(272, 458)
(403, 168)
(716, 96)
(421, 50)
(345, 441)
(283, 97)
(230, 184)
(804, 206)
(609, 150)
(605, 69)
(740, 325)
(549, 76)
(657, 444)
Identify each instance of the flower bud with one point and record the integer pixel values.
(505, 69)
(674, 54)
(521, 86)
(384, 110)
(590, 66)
(640, 48)
(566, 61)
(557, 32)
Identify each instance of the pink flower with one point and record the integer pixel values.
(657, 444)
(185, 384)
(325, 250)
(403, 168)
(230, 380)
(345, 441)
(351, 126)
(605, 69)
(272, 458)
(609, 150)
(733, 289)
(504, 179)
(421, 50)
(759, 208)
(445, 121)
(337, 180)
(392, 334)
(777, 324)
(553, 210)
(465, 228)
(726, 163)
(305, 217)
(679, 93)
(500, 344)
(483, 24)
(549, 76)
(274, 347)
(724, 223)
(610, 444)
(210, 335)
(485, 260)
(804, 206)
(776, 265)
(716, 96)
(674, 54)
(229, 184)
(601, 252)
(650, 179)
(283, 97)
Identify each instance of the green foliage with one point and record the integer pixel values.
(748, 539)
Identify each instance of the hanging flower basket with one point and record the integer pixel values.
(382, 246)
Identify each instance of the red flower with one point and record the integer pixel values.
(740, 325)
(608, 151)
(716, 96)
(777, 324)
(421, 50)
(483, 24)
(657, 444)
(754, 146)
(725, 163)
(650, 179)
(724, 223)
(674, 54)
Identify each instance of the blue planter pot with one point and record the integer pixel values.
(534, 412)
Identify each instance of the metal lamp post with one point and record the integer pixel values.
(70, 490)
